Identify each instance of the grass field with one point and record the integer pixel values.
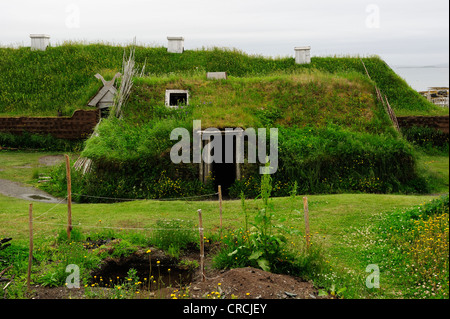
(437, 168)
(336, 221)
(333, 220)
(22, 166)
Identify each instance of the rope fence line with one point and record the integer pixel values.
(69, 200)
(124, 199)
(79, 225)
(60, 202)
(115, 227)
(122, 228)
(71, 225)
(35, 218)
(119, 228)
(147, 199)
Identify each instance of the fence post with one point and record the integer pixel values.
(220, 205)
(306, 210)
(69, 197)
(30, 254)
(202, 245)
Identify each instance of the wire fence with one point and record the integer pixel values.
(147, 199)
(68, 198)
(38, 218)
(53, 207)
(119, 228)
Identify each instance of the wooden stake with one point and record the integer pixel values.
(30, 254)
(220, 205)
(69, 197)
(202, 245)
(306, 210)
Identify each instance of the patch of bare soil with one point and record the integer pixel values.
(41, 292)
(242, 283)
(252, 283)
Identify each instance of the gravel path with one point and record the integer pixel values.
(18, 190)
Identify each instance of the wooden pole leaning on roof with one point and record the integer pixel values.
(202, 245)
(69, 197)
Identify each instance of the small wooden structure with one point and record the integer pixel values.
(104, 98)
(302, 55)
(175, 44)
(39, 42)
(216, 75)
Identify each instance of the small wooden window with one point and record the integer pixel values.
(175, 98)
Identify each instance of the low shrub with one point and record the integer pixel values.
(47, 142)
(432, 141)
(334, 160)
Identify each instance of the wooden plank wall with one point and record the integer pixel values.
(439, 122)
(79, 125)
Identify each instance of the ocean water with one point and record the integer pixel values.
(421, 78)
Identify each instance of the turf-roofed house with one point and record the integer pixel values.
(334, 118)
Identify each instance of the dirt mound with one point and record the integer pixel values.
(252, 283)
(40, 292)
(178, 280)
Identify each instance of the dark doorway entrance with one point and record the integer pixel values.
(225, 173)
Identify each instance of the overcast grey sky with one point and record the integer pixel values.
(403, 32)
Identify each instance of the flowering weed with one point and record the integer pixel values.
(412, 249)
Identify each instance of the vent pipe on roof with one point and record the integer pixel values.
(175, 44)
(39, 41)
(303, 55)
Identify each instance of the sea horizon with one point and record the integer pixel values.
(420, 78)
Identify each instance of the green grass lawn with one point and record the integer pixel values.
(21, 166)
(437, 167)
(333, 220)
(338, 222)
(330, 215)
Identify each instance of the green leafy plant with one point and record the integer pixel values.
(428, 139)
(75, 235)
(64, 254)
(128, 288)
(264, 245)
(333, 292)
(122, 247)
